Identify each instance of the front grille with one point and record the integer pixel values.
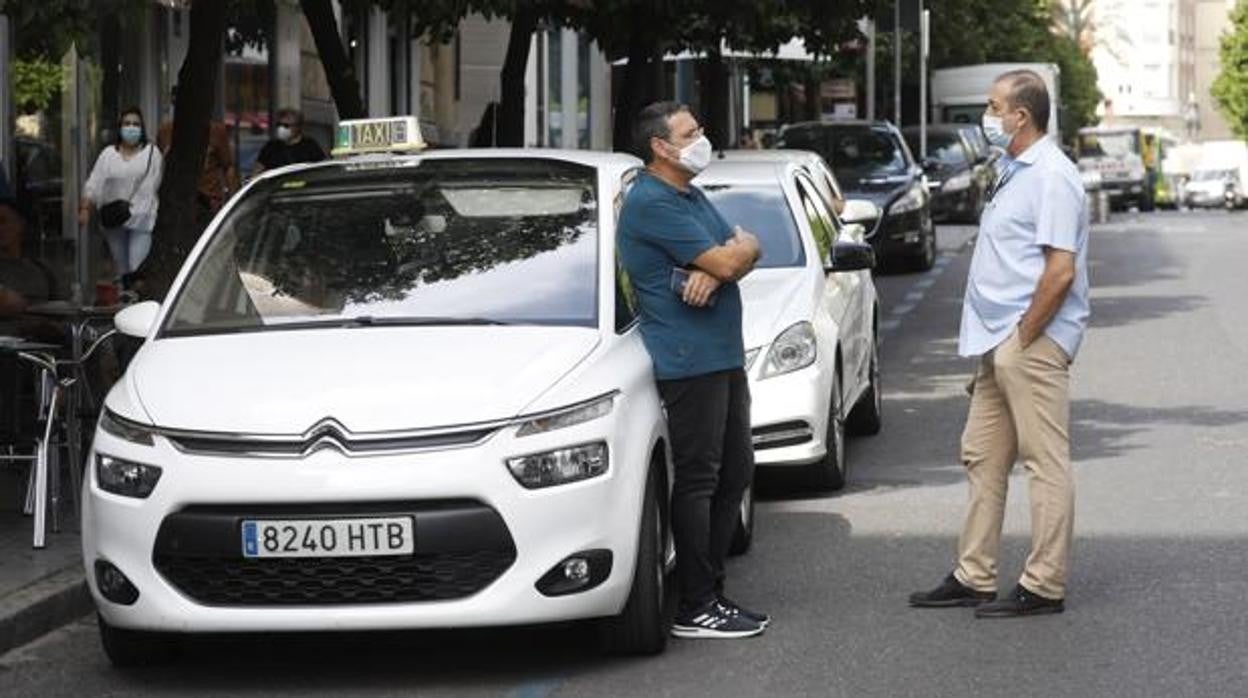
(462, 546)
(218, 581)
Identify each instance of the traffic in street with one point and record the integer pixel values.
(1159, 428)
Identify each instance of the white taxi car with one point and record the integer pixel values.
(387, 391)
(810, 316)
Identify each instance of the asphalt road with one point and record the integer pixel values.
(1157, 598)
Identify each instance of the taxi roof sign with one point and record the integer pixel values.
(387, 135)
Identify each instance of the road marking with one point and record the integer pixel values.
(890, 325)
(925, 282)
(914, 296)
(903, 308)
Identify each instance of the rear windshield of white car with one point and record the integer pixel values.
(427, 242)
(765, 212)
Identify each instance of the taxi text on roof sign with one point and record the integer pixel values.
(396, 134)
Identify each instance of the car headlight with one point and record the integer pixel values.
(910, 201)
(793, 350)
(125, 429)
(958, 182)
(561, 466)
(126, 478)
(569, 416)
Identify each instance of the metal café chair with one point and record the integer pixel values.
(43, 486)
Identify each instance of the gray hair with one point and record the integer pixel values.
(1027, 90)
(653, 122)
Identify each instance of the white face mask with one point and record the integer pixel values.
(283, 133)
(697, 155)
(994, 129)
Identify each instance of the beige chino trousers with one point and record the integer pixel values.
(1020, 410)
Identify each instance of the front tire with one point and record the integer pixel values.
(829, 472)
(133, 648)
(641, 628)
(926, 258)
(867, 417)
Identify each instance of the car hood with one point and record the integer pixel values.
(368, 379)
(880, 191)
(774, 299)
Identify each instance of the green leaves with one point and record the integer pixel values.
(35, 83)
(1230, 89)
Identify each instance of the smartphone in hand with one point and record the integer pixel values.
(679, 278)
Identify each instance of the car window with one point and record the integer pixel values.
(427, 242)
(625, 296)
(859, 153)
(763, 211)
(817, 216)
(945, 148)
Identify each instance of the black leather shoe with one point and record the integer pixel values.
(951, 593)
(1020, 602)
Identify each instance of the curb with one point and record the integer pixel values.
(41, 607)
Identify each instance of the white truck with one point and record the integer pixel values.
(959, 95)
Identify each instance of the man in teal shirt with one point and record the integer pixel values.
(669, 231)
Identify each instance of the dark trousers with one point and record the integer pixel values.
(708, 418)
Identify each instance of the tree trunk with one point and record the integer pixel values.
(176, 230)
(343, 83)
(715, 101)
(511, 108)
(641, 85)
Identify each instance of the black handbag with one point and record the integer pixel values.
(114, 214)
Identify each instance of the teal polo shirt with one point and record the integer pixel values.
(661, 228)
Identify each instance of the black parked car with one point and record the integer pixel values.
(958, 178)
(872, 162)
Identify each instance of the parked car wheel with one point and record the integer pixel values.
(868, 415)
(744, 534)
(131, 648)
(926, 258)
(828, 473)
(642, 628)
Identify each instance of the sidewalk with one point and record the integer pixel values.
(40, 590)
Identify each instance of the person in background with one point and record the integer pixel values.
(289, 145)
(122, 190)
(219, 178)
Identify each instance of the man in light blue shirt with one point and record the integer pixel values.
(1024, 316)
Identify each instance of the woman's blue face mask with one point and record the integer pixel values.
(131, 134)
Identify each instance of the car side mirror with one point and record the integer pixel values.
(137, 320)
(860, 211)
(850, 256)
(931, 165)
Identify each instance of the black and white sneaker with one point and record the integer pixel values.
(715, 621)
(733, 607)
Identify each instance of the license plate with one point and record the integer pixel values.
(328, 537)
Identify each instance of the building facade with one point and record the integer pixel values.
(1145, 57)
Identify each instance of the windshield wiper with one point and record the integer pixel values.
(374, 321)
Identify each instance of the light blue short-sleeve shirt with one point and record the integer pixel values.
(1039, 203)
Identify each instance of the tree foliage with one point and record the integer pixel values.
(966, 32)
(1230, 88)
(35, 82)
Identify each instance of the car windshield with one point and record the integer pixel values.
(765, 212)
(439, 242)
(945, 148)
(855, 153)
(1114, 145)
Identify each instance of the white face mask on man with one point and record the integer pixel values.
(697, 155)
(994, 129)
